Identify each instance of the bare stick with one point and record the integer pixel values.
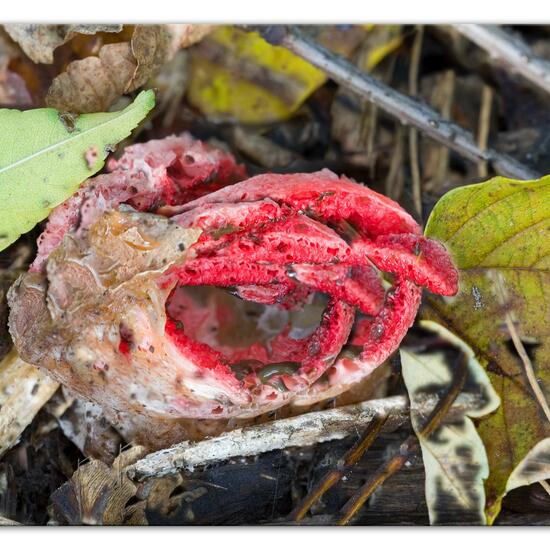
(344, 464)
(520, 348)
(405, 108)
(413, 132)
(510, 49)
(484, 125)
(394, 464)
(306, 429)
(529, 371)
(394, 178)
(409, 447)
(448, 90)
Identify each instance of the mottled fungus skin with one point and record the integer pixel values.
(107, 308)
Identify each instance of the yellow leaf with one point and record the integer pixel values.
(237, 75)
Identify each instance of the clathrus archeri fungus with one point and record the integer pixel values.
(115, 307)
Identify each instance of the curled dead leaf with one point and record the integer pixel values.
(40, 41)
(93, 83)
(150, 45)
(101, 495)
(535, 467)
(112, 70)
(184, 36)
(97, 494)
(13, 89)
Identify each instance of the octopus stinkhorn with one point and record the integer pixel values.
(115, 307)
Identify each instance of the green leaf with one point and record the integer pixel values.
(45, 156)
(454, 457)
(498, 233)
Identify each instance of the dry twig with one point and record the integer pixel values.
(408, 448)
(344, 464)
(520, 348)
(405, 108)
(395, 179)
(510, 49)
(303, 430)
(390, 467)
(448, 90)
(413, 132)
(484, 126)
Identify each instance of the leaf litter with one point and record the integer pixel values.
(370, 147)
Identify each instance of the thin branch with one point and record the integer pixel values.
(520, 348)
(529, 371)
(406, 451)
(405, 108)
(444, 404)
(413, 132)
(302, 430)
(394, 178)
(409, 447)
(484, 125)
(298, 431)
(390, 467)
(448, 89)
(344, 464)
(510, 49)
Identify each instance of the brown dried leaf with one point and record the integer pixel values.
(40, 41)
(184, 36)
(150, 46)
(97, 494)
(13, 90)
(156, 495)
(93, 83)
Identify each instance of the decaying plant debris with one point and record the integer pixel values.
(267, 439)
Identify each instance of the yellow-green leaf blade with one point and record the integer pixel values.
(44, 158)
(498, 233)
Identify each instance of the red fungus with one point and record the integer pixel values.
(278, 241)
